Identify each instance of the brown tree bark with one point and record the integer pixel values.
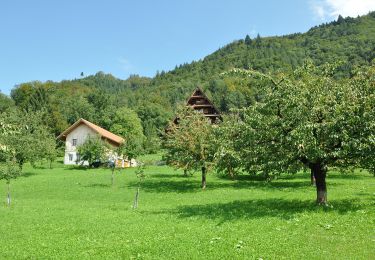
(204, 177)
(320, 172)
(312, 178)
(231, 174)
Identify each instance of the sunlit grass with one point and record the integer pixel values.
(72, 213)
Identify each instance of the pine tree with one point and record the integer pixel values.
(248, 40)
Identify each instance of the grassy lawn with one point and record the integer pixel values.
(73, 213)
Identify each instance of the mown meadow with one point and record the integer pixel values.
(72, 213)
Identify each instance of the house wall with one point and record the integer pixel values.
(81, 133)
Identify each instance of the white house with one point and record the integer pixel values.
(77, 134)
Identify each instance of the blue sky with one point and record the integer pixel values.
(56, 40)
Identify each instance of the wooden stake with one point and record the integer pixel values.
(8, 197)
(135, 204)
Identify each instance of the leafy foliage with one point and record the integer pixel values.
(189, 142)
(9, 170)
(93, 150)
(5, 103)
(364, 147)
(127, 124)
(27, 138)
(306, 119)
(227, 155)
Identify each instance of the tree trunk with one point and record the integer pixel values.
(312, 178)
(8, 196)
(230, 171)
(135, 204)
(204, 177)
(320, 172)
(113, 176)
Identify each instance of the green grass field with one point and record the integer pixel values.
(75, 214)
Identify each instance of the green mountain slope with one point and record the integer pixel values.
(351, 40)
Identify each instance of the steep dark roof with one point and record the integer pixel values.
(200, 102)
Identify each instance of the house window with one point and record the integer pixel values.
(78, 157)
(74, 142)
(70, 157)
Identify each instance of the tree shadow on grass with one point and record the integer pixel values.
(262, 177)
(260, 208)
(344, 176)
(97, 185)
(192, 185)
(163, 186)
(28, 174)
(40, 167)
(77, 168)
(269, 185)
(242, 177)
(168, 176)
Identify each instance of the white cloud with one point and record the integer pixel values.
(330, 9)
(318, 10)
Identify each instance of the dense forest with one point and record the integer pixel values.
(98, 97)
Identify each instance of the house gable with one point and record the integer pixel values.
(201, 103)
(78, 133)
(111, 138)
(77, 137)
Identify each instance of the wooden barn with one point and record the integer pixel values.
(201, 103)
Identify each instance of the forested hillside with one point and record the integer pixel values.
(351, 40)
(97, 97)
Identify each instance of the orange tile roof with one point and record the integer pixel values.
(101, 131)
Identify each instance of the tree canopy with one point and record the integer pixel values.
(307, 119)
(189, 142)
(93, 151)
(127, 124)
(26, 137)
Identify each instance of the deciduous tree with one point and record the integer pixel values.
(189, 143)
(227, 155)
(93, 150)
(127, 124)
(8, 164)
(306, 120)
(32, 140)
(8, 172)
